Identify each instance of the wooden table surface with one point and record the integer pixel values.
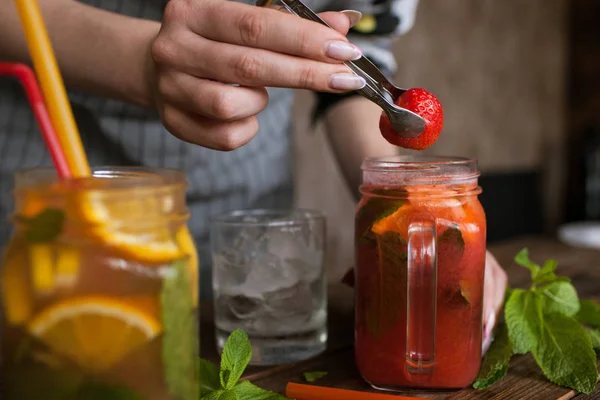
(524, 379)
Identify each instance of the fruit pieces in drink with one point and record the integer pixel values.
(96, 332)
(381, 289)
(425, 105)
(71, 313)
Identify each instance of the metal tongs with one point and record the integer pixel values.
(378, 88)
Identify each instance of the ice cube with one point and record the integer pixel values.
(296, 300)
(268, 274)
(243, 307)
(287, 241)
(309, 268)
(228, 274)
(248, 243)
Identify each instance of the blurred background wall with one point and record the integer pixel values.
(499, 69)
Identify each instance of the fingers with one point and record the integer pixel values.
(212, 99)
(235, 64)
(341, 21)
(335, 20)
(495, 285)
(214, 134)
(268, 29)
(205, 45)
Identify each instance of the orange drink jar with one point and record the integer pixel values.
(99, 288)
(420, 260)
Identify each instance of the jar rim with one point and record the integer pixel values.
(268, 217)
(419, 162)
(401, 170)
(132, 177)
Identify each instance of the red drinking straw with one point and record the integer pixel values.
(27, 78)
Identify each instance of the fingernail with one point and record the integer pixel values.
(346, 82)
(353, 15)
(489, 326)
(485, 345)
(342, 51)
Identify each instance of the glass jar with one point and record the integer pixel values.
(420, 258)
(99, 288)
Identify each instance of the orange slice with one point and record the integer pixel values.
(17, 297)
(41, 260)
(394, 222)
(68, 261)
(446, 211)
(94, 332)
(186, 244)
(122, 227)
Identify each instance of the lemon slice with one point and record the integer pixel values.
(94, 332)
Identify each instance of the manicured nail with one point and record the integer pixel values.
(342, 51)
(489, 326)
(485, 344)
(353, 15)
(346, 82)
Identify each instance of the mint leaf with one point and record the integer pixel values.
(564, 353)
(236, 356)
(209, 377)
(495, 363)
(594, 338)
(221, 395)
(560, 297)
(523, 315)
(180, 336)
(522, 258)
(212, 395)
(313, 376)
(383, 309)
(247, 391)
(228, 395)
(546, 273)
(45, 226)
(453, 235)
(589, 313)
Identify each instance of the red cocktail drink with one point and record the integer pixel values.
(420, 257)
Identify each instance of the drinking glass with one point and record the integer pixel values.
(420, 258)
(269, 280)
(99, 288)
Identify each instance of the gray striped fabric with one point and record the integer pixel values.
(115, 133)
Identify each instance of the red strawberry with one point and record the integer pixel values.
(425, 104)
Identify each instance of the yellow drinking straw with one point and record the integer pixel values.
(61, 114)
(52, 86)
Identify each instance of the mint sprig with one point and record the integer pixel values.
(43, 227)
(496, 360)
(314, 375)
(549, 321)
(222, 384)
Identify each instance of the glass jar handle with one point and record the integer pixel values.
(421, 294)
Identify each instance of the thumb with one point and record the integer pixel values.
(341, 21)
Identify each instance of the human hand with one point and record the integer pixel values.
(494, 289)
(204, 46)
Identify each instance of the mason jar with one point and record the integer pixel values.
(99, 288)
(420, 256)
